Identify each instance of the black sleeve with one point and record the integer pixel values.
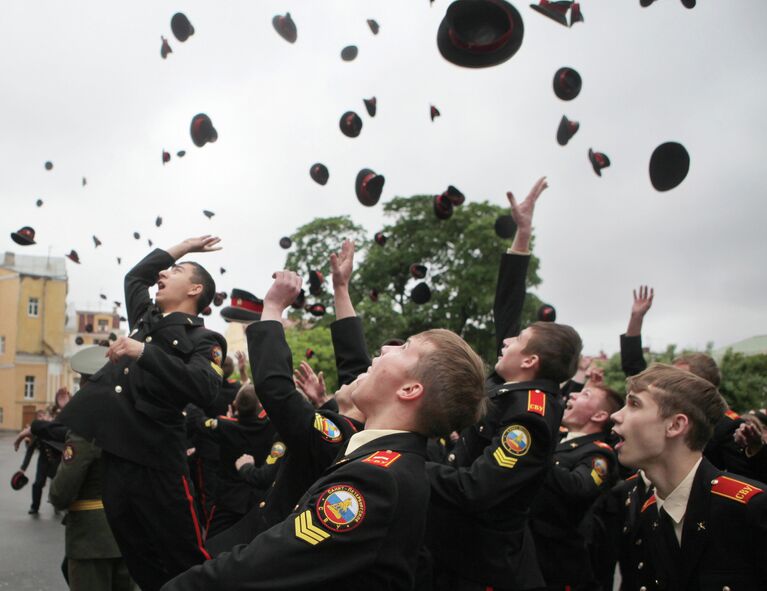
(49, 430)
(589, 478)
(570, 387)
(260, 477)
(28, 454)
(509, 296)
(140, 278)
(272, 365)
(351, 350)
(632, 358)
(198, 380)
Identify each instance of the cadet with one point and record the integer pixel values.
(132, 408)
(360, 525)
(702, 528)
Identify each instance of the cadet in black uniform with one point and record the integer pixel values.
(585, 467)
(132, 408)
(359, 526)
(312, 436)
(702, 528)
(478, 533)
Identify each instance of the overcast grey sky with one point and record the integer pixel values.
(84, 87)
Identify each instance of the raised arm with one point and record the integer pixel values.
(351, 351)
(510, 289)
(632, 358)
(144, 275)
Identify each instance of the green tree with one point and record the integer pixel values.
(744, 380)
(316, 338)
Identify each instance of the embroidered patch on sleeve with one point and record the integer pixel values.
(516, 440)
(327, 428)
(598, 470)
(217, 355)
(307, 531)
(383, 458)
(68, 454)
(536, 402)
(277, 451)
(341, 508)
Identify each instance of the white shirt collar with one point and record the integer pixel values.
(675, 503)
(361, 438)
(571, 435)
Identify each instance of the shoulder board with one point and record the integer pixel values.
(634, 476)
(226, 418)
(536, 402)
(383, 458)
(603, 445)
(231, 380)
(648, 503)
(731, 414)
(262, 414)
(724, 486)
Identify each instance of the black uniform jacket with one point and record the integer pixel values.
(721, 450)
(359, 526)
(133, 409)
(480, 502)
(235, 437)
(584, 468)
(724, 537)
(313, 437)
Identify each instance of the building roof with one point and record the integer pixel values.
(751, 346)
(35, 266)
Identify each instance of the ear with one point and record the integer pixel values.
(531, 362)
(410, 392)
(678, 426)
(601, 416)
(195, 289)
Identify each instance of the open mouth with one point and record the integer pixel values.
(160, 285)
(619, 440)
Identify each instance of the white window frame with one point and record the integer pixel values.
(29, 387)
(33, 307)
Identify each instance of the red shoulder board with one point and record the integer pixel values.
(724, 486)
(262, 414)
(232, 380)
(603, 445)
(383, 458)
(649, 502)
(731, 414)
(633, 476)
(226, 418)
(536, 402)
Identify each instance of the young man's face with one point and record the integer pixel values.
(390, 371)
(642, 430)
(174, 285)
(511, 361)
(582, 407)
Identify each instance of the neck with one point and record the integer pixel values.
(587, 429)
(519, 376)
(185, 307)
(390, 419)
(670, 469)
(352, 412)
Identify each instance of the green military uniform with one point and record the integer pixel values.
(94, 560)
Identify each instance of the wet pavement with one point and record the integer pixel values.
(31, 548)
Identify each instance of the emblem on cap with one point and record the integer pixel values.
(341, 508)
(327, 428)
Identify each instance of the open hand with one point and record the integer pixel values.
(311, 384)
(124, 347)
(642, 300)
(342, 264)
(523, 212)
(281, 294)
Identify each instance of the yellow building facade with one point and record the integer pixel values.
(33, 293)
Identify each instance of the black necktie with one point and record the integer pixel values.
(667, 529)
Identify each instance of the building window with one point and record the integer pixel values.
(103, 325)
(2, 345)
(33, 307)
(29, 387)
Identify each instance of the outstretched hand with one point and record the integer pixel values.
(281, 294)
(311, 384)
(342, 264)
(749, 437)
(523, 212)
(642, 300)
(242, 366)
(206, 243)
(26, 433)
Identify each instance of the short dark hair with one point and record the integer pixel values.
(200, 275)
(247, 403)
(678, 391)
(701, 365)
(612, 403)
(453, 378)
(558, 348)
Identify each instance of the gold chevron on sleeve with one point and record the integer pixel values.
(503, 460)
(217, 369)
(318, 421)
(596, 478)
(307, 531)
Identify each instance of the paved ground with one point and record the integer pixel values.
(31, 548)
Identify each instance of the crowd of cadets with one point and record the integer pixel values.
(420, 472)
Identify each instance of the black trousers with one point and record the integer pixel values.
(153, 519)
(46, 468)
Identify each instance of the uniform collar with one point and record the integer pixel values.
(545, 385)
(361, 438)
(675, 503)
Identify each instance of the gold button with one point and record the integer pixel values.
(481, 428)
(295, 508)
(126, 371)
(625, 529)
(451, 458)
(118, 389)
(175, 342)
(262, 504)
(643, 588)
(640, 566)
(148, 339)
(726, 588)
(714, 481)
(638, 542)
(628, 501)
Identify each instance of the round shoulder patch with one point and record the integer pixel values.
(599, 465)
(341, 508)
(516, 440)
(68, 454)
(327, 428)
